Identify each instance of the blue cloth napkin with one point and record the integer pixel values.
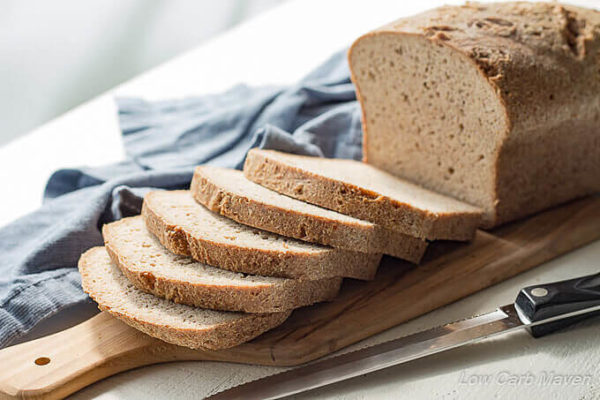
(164, 141)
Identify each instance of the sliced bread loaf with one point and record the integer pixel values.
(185, 227)
(174, 323)
(495, 104)
(363, 191)
(153, 269)
(229, 193)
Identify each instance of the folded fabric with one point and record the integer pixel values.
(164, 140)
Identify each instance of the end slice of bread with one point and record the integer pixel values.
(185, 227)
(174, 323)
(363, 191)
(229, 193)
(153, 269)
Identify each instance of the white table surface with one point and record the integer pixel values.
(280, 46)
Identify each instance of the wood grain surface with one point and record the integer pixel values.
(57, 365)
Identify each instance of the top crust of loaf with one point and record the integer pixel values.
(363, 191)
(501, 38)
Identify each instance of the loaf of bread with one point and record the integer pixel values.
(495, 104)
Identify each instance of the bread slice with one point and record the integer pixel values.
(174, 323)
(229, 193)
(363, 191)
(153, 269)
(185, 227)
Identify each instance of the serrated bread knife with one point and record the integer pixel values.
(542, 309)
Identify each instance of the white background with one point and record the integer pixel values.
(56, 54)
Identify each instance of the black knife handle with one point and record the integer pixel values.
(539, 302)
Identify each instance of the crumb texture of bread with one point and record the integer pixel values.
(154, 269)
(185, 227)
(179, 324)
(366, 192)
(495, 104)
(229, 193)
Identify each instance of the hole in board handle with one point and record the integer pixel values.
(42, 361)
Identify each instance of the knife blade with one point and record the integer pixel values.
(542, 309)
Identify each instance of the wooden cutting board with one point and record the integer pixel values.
(60, 364)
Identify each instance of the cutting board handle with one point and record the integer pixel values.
(57, 365)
